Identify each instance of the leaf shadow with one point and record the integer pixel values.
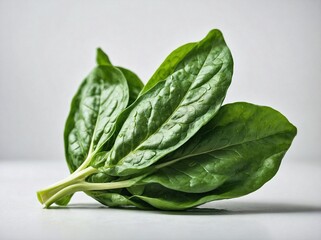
(236, 208)
(247, 208)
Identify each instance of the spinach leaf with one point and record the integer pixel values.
(167, 199)
(94, 109)
(120, 198)
(234, 154)
(169, 66)
(102, 58)
(135, 85)
(169, 145)
(167, 115)
(85, 103)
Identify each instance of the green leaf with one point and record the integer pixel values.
(174, 147)
(102, 58)
(169, 66)
(94, 109)
(135, 85)
(118, 199)
(234, 154)
(167, 115)
(167, 199)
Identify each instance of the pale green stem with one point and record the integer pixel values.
(85, 186)
(84, 164)
(45, 194)
(77, 182)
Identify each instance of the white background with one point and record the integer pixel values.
(48, 47)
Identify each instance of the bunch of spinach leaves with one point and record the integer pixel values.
(169, 144)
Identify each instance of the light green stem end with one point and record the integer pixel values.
(76, 182)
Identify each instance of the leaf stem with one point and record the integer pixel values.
(85, 186)
(84, 164)
(44, 194)
(77, 182)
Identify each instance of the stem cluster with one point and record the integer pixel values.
(74, 183)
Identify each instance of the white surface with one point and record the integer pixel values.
(48, 47)
(288, 207)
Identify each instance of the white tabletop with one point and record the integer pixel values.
(288, 207)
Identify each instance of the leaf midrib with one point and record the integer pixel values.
(179, 104)
(97, 120)
(170, 162)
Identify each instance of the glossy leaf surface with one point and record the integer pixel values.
(135, 85)
(169, 66)
(171, 112)
(118, 199)
(169, 145)
(94, 109)
(233, 155)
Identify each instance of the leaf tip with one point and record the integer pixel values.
(101, 57)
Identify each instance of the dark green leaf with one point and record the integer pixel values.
(174, 147)
(94, 109)
(117, 199)
(167, 199)
(167, 115)
(135, 85)
(234, 154)
(169, 66)
(101, 58)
